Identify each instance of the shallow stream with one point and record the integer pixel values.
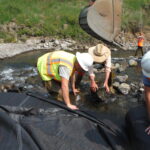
(21, 71)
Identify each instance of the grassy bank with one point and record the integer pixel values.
(136, 15)
(58, 17)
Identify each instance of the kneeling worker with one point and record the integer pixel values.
(58, 67)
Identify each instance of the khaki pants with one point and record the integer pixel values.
(54, 88)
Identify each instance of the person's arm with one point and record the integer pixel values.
(65, 93)
(64, 73)
(147, 97)
(93, 85)
(73, 80)
(107, 75)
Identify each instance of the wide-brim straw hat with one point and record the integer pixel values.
(99, 53)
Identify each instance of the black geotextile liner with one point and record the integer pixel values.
(136, 120)
(22, 100)
(50, 127)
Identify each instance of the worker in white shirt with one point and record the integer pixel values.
(101, 54)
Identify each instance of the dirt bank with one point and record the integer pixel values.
(127, 40)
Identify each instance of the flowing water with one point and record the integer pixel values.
(21, 71)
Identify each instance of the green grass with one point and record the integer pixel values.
(135, 14)
(7, 37)
(43, 17)
(60, 17)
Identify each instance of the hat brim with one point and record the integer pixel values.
(146, 74)
(79, 58)
(99, 59)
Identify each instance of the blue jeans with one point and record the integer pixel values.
(146, 81)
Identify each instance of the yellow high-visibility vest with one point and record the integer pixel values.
(49, 63)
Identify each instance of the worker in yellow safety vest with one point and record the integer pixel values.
(140, 44)
(58, 68)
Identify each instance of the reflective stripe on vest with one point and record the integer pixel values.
(49, 63)
(54, 62)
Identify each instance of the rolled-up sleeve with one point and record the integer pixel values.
(108, 64)
(91, 71)
(64, 72)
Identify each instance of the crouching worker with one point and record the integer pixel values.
(145, 64)
(101, 54)
(58, 68)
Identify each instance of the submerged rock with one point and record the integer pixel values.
(124, 88)
(132, 62)
(122, 78)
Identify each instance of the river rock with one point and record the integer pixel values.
(141, 85)
(124, 88)
(32, 41)
(120, 69)
(116, 66)
(133, 86)
(56, 42)
(9, 88)
(64, 45)
(116, 84)
(132, 62)
(122, 78)
(141, 90)
(12, 49)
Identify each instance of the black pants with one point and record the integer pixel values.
(139, 49)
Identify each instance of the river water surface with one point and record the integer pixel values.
(21, 71)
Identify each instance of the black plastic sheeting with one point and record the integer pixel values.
(137, 122)
(33, 122)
